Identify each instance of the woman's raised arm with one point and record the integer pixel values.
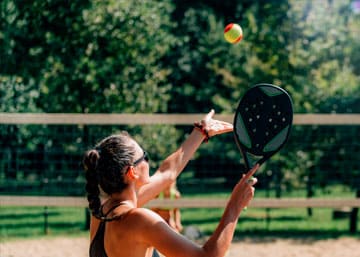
(172, 166)
(172, 244)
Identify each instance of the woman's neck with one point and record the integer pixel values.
(128, 196)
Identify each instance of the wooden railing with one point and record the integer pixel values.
(142, 119)
(56, 201)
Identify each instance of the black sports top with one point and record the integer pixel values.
(97, 247)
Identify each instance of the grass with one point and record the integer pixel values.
(23, 222)
(280, 222)
(292, 222)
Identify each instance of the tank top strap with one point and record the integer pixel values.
(104, 215)
(112, 208)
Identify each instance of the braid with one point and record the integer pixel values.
(90, 162)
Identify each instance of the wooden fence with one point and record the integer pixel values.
(177, 119)
(144, 119)
(56, 201)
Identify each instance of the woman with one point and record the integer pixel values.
(171, 215)
(118, 170)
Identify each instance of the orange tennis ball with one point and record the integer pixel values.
(233, 33)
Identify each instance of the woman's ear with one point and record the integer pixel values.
(131, 174)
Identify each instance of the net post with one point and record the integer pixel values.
(353, 215)
(46, 220)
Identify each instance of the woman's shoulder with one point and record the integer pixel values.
(140, 216)
(139, 221)
(144, 214)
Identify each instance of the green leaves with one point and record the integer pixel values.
(17, 96)
(319, 53)
(136, 56)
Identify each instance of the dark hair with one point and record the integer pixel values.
(105, 166)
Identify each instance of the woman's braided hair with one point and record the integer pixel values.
(105, 166)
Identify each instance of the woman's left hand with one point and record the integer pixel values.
(214, 127)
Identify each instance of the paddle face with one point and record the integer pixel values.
(262, 123)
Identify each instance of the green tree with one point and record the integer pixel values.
(90, 56)
(324, 79)
(323, 56)
(15, 96)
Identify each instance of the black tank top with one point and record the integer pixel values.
(97, 246)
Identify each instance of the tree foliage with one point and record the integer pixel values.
(91, 56)
(152, 56)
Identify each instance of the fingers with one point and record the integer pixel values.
(251, 181)
(226, 126)
(246, 185)
(251, 172)
(214, 127)
(209, 116)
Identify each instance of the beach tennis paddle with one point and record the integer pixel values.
(262, 123)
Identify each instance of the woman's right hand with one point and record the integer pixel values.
(244, 190)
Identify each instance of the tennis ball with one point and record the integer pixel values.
(233, 33)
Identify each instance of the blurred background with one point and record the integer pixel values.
(170, 57)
